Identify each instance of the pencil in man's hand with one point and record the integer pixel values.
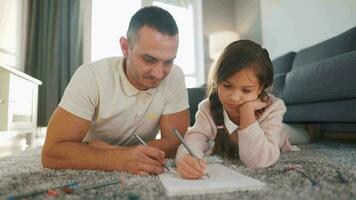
(144, 143)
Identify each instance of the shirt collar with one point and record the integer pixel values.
(230, 126)
(127, 86)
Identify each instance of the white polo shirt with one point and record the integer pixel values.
(101, 93)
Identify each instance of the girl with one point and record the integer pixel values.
(238, 119)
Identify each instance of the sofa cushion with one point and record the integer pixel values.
(283, 64)
(278, 84)
(332, 111)
(327, 80)
(340, 44)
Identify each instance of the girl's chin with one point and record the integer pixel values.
(232, 111)
(234, 116)
(232, 108)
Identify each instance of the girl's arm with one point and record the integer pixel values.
(259, 142)
(198, 136)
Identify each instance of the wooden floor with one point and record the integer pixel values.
(12, 143)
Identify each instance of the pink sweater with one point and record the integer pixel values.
(259, 144)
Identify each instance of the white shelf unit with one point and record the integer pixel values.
(18, 104)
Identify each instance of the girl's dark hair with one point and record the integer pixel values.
(236, 56)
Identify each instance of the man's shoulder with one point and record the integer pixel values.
(102, 64)
(102, 69)
(175, 76)
(175, 71)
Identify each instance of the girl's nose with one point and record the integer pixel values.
(235, 98)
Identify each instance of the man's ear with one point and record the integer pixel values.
(124, 44)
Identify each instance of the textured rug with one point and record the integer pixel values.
(321, 170)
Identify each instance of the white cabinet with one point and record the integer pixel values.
(18, 102)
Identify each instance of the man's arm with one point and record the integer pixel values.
(168, 142)
(63, 148)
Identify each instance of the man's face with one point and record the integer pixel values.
(149, 57)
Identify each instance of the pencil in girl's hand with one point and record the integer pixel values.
(180, 138)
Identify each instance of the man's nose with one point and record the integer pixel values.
(158, 72)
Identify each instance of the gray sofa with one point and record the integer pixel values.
(318, 84)
(195, 95)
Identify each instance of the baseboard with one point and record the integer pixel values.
(340, 136)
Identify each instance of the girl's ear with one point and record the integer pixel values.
(124, 44)
(262, 94)
(260, 91)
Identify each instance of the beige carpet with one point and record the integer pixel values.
(320, 171)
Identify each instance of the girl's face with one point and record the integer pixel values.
(241, 87)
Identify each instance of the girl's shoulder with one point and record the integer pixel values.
(275, 105)
(275, 100)
(204, 104)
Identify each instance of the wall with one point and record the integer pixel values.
(235, 15)
(13, 29)
(248, 20)
(217, 16)
(292, 25)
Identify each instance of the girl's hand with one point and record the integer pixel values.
(253, 106)
(250, 111)
(191, 168)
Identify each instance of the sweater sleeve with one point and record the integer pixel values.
(199, 135)
(259, 143)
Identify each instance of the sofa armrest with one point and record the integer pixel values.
(195, 95)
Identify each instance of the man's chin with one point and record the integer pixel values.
(152, 85)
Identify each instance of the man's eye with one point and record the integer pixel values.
(150, 60)
(170, 62)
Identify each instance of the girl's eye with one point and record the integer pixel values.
(226, 86)
(246, 91)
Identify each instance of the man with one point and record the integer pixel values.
(108, 100)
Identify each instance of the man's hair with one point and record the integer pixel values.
(153, 17)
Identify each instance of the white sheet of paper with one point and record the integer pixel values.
(222, 179)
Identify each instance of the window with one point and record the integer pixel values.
(190, 53)
(106, 30)
(110, 20)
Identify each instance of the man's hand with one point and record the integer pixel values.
(63, 149)
(142, 160)
(191, 168)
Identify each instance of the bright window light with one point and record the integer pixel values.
(110, 20)
(186, 50)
